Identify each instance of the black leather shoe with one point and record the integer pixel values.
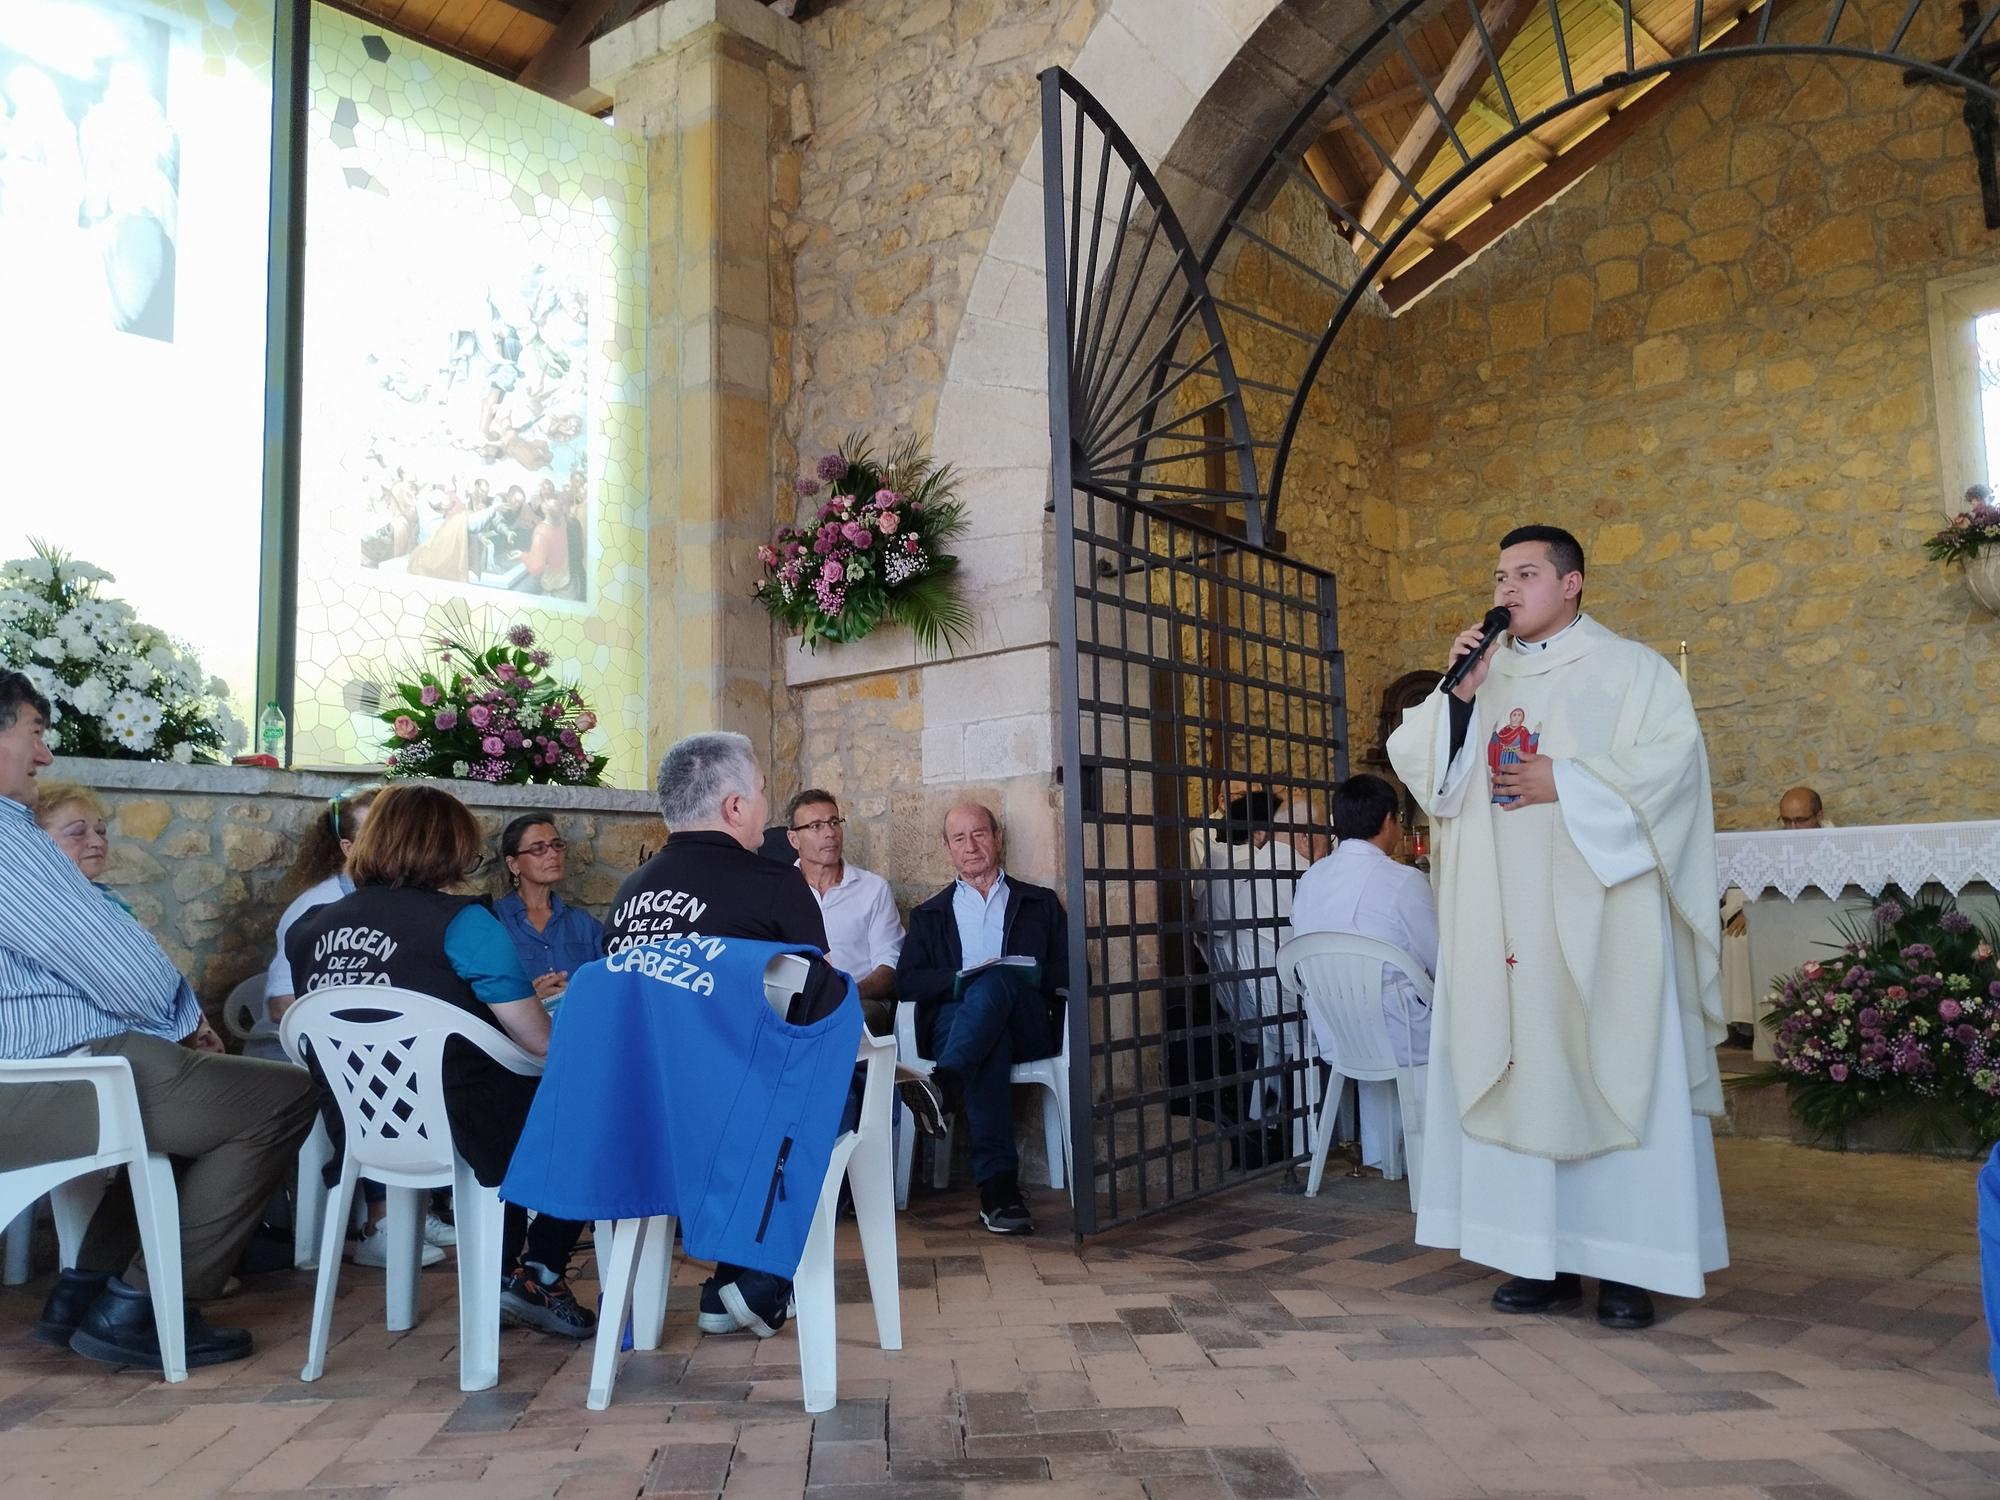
(1622, 1306)
(1525, 1294)
(73, 1294)
(118, 1329)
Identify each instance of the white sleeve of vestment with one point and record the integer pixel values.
(1602, 825)
(1458, 775)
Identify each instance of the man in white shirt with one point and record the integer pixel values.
(1360, 888)
(864, 936)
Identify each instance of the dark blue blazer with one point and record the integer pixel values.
(1035, 926)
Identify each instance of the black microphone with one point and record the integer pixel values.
(1496, 621)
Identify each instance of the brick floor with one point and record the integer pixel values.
(1257, 1346)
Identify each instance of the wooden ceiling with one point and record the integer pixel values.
(1391, 133)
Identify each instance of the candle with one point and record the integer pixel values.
(1684, 663)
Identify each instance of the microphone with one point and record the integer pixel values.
(1496, 621)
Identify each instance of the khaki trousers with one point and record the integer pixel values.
(232, 1124)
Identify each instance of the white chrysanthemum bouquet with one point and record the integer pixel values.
(120, 688)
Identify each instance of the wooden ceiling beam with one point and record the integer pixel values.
(408, 34)
(1367, 109)
(1510, 208)
(1454, 92)
(551, 12)
(562, 68)
(1643, 41)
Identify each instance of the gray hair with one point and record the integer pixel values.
(700, 772)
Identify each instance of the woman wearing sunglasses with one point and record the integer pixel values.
(553, 938)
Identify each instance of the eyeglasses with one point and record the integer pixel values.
(546, 846)
(818, 825)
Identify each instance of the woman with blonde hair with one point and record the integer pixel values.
(80, 822)
(404, 925)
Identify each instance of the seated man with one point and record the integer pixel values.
(710, 879)
(1801, 807)
(1360, 888)
(77, 975)
(978, 1026)
(864, 935)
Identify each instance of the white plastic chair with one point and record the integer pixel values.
(76, 1184)
(636, 1256)
(387, 1077)
(1048, 1073)
(1338, 976)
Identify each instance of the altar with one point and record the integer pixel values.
(1800, 881)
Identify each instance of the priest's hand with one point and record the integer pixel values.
(1530, 781)
(1468, 640)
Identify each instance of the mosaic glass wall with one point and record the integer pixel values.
(135, 143)
(473, 420)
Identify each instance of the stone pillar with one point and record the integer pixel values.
(707, 83)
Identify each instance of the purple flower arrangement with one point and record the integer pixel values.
(872, 552)
(490, 713)
(1970, 532)
(1907, 1012)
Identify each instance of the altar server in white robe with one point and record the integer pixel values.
(1578, 999)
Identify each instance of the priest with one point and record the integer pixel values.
(1579, 1002)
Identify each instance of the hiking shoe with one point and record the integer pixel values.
(1001, 1208)
(714, 1317)
(372, 1249)
(526, 1301)
(758, 1300)
(925, 1101)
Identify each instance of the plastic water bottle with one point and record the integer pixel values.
(271, 732)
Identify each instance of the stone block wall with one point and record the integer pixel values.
(203, 852)
(1711, 360)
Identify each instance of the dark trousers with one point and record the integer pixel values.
(998, 1021)
(232, 1124)
(547, 1241)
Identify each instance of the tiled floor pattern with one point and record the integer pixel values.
(1259, 1346)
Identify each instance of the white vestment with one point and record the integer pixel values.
(1554, 1156)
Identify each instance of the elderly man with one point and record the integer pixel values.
(864, 935)
(77, 975)
(986, 960)
(709, 878)
(1801, 807)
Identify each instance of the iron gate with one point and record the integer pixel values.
(1204, 723)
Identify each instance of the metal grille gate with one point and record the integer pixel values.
(1199, 670)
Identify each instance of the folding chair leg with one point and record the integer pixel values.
(156, 1202)
(404, 1226)
(480, 1220)
(813, 1290)
(332, 1236)
(653, 1279)
(868, 1175)
(615, 1257)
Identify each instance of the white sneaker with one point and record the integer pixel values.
(440, 1232)
(372, 1249)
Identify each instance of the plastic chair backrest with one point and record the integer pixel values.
(1339, 975)
(784, 977)
(243, 1014)
(381, 1050)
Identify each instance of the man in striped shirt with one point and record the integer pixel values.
(78, 976)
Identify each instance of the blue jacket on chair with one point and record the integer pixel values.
(673, 1088)
(1989, 1257)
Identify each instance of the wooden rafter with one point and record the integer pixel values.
(550, 12)
(562, 68)
(1454, 92)
(1517, 203)
(412, 34)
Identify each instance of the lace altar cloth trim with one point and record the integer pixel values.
(1830, 860)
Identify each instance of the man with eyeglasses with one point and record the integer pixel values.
(864, 936)
(1802, 807)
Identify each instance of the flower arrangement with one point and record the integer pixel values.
(1907, 1013)
(1971, 531)
(490, 714)
(117, 687)
(874, 551)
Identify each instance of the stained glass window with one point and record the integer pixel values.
(473, 372)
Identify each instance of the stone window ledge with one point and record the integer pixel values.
(1010, 625)
(254, 781)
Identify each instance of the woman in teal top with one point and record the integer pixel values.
(553, 938)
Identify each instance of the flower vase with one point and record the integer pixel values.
(1982, 577)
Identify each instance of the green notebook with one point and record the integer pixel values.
(1026, 969)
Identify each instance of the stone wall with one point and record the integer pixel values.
(203, 852)
(1711, 360)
